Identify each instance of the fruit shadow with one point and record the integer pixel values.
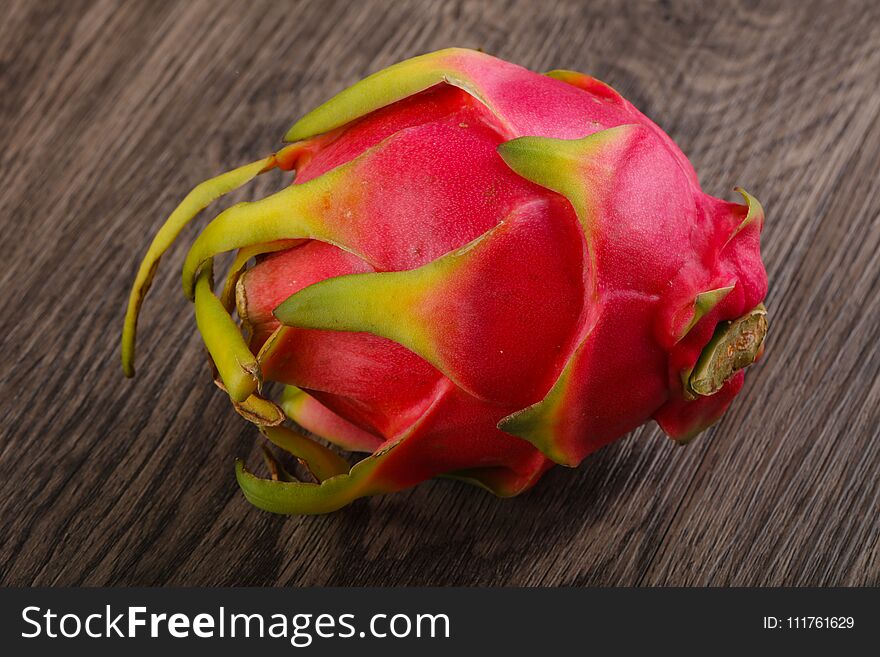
(446, 532)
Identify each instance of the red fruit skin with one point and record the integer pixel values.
(428, 179)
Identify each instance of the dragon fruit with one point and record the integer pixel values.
(479, 271)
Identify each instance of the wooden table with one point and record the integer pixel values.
(112, 111)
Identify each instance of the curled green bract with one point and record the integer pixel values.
(197, 200)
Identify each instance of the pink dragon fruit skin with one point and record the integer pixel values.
(479, 271)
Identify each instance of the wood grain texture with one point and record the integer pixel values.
(110, 112)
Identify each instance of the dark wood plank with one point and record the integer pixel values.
(110, 112)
